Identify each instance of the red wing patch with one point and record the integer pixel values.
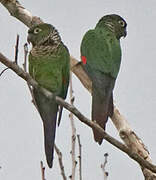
(63, 80)
(84, 59)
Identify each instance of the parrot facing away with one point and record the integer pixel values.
(101, 58)
(49, 66)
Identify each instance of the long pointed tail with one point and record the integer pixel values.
(100, 113)
(102, 102)
(48, 111)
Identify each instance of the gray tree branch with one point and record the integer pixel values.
(73, 128)
(59, 154)
(42, 171)
(80, 157)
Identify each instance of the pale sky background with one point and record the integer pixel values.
(21, 133)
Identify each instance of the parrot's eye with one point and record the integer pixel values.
(122, 23)
(37, 30)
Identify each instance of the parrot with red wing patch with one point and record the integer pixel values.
(101, 58)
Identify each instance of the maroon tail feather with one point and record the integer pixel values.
(100, 113)
(48, 112)
(102, 103)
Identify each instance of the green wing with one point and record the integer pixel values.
(65, 72)
(65, 77)
(102, 50)
(47, 72)
(51, 71)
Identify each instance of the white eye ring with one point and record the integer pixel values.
(122, 23)
(37, 30)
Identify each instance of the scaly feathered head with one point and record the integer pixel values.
(43, 34)
(115, 23)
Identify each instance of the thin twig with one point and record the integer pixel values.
(73, 137)
(3, 71)
(103, 166)
(42, 171)
(16, 55)
(59, 154)
(16, 49)
(25, 57)
(80, 157)
(25, 69)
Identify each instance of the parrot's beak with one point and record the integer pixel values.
(28, 39)
(125, 33)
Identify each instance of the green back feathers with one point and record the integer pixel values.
(101, 46)
(102, 50)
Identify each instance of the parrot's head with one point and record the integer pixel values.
(42, 34)
(115, 23)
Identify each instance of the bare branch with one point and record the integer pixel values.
(3, 71)
(25, 69)
(59, 154)
(16, 54)
(42, 171)
(18, 11)
(73, 137)
(131, 139)
(80, 156)
(103, 166)
(16, 49)
(25, 57)
(78, 114)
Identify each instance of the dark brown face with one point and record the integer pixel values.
(120, 26)
(38, 33)
(115, 23)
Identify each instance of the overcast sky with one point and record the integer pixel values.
(21, 133)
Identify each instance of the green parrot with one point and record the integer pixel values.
(49, 65)
(101, 58)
